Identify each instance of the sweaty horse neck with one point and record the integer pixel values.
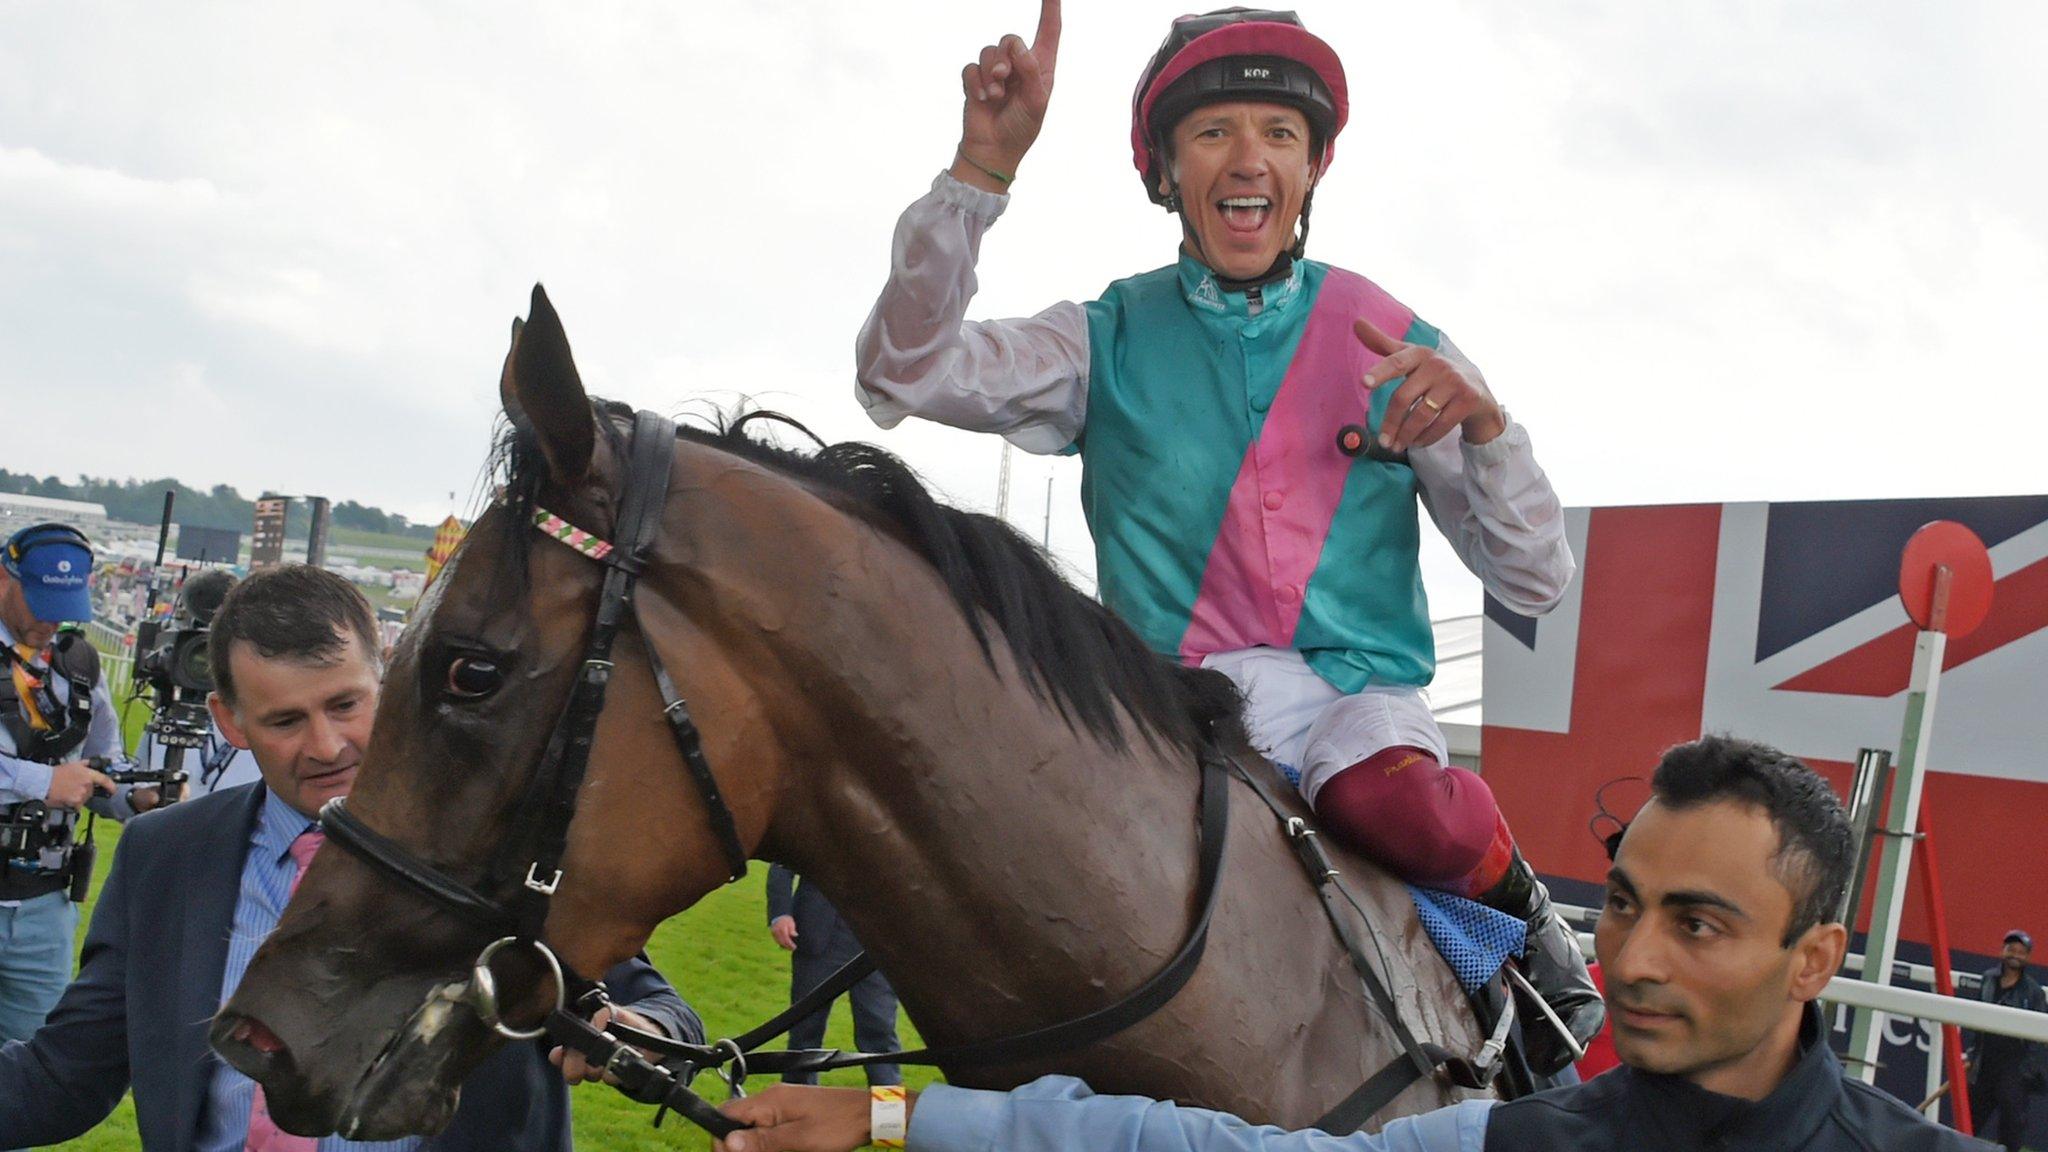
(993, 857)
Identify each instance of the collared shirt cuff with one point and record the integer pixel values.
(948, 1119)
(967, 199)
(1495, 453)
(30, 780)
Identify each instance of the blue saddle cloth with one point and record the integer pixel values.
(1475, 940)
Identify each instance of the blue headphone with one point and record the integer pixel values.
(36, 536)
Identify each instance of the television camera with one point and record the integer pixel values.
(174, 669)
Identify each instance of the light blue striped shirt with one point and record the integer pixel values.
(1060, 1113)
(266, 884)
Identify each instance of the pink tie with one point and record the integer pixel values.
(265, 1136)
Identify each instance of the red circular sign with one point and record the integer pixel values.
(1945, 542)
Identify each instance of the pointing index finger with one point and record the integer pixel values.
(1369, 335)
(1045, 43)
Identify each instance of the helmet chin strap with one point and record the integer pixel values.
(1283, 264)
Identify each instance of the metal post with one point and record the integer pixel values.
(1895, 841)
(316, 535)
(1003, 486)
(1045, 536)
(1873, 779)
(1949, 1050)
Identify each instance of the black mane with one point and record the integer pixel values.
(1073, 652)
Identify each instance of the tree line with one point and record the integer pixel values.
(142, 501)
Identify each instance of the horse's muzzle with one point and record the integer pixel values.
(251, 1048)
(410, 1088)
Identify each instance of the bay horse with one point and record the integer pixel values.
(988, 773)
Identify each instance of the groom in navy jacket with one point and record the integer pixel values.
(195, 886)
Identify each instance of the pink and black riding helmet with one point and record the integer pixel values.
(1236, 54)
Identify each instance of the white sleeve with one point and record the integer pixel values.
(1496, 507)
(917, 355)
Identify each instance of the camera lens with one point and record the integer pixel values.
(191, 669)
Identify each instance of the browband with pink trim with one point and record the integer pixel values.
(556, 528)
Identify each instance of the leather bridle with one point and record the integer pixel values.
(540, 836)
(540, 826)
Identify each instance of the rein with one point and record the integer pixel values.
(540, 837)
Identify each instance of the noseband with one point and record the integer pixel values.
(540, 827)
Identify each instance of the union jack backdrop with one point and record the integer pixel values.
(1782, 623)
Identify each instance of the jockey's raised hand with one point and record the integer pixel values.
(1007, 91)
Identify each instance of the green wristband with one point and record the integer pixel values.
(984, 169)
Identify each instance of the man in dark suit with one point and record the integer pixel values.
(195, 888)
(804, 923)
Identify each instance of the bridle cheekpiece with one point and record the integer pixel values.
(539, 833)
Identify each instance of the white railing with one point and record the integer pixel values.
(117, 657)
(1972, 1014)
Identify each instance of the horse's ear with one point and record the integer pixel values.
(543, 394)
(508, 395)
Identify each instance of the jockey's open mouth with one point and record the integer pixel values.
(1245, 214)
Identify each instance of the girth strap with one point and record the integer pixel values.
(1323, 877)
(1418, 1060)
(1379, 1090)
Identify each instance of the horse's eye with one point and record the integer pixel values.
(473, 677)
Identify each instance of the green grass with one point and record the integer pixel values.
(386, 598)
(357, 537)
(718, 955)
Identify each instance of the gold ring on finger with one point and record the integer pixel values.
(1433, 405)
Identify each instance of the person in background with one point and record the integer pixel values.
(2005, 1072)
(58, 731)
(216, 764)
(806, 925)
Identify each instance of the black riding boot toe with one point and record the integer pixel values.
(1556, 968)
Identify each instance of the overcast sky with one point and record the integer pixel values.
(1705, 251)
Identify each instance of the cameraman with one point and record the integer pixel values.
(55, 717)
(211, 764)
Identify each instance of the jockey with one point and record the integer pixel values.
(1206, 400)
